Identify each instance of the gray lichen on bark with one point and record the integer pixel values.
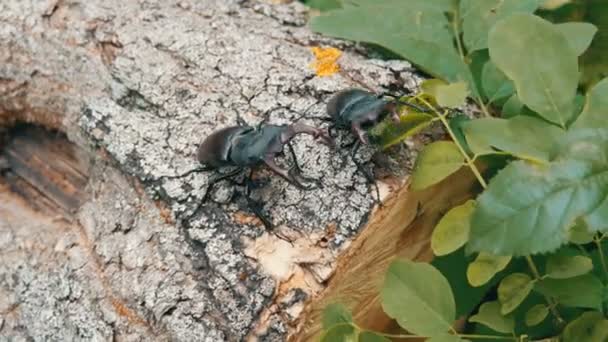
(145, 82)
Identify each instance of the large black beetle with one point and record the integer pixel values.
(244, 146)
(360, 110)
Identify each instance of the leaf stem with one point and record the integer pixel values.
(456, 28)
(468, 159)
(484, 109)
(489, 337)
(537, 276)
(470, 162)
(471, 336)
(598, 242)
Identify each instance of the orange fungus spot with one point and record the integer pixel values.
(325, 63)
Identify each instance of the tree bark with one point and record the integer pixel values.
(136, 86)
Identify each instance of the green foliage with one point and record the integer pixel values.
(370, 336)
(588, 291)
(578, 35)
(418, 297)
(435, 162)
(485, 267)
(479, 17)
(549, 188)
(452, 232)
(595, 114)
(579, 233)
(536, 314)
(535, 55)
(490, 315)
(567, 266)
(336, 314)
(535, 205)
(445, 94)
(517, 136)
(454, 270)
(340, 333)
(495, 83)
(512, 107)
(589, 327)
(512, 290)
(387, 134)
(446, 338)
(418, 32)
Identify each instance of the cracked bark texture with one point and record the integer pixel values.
(139, 84)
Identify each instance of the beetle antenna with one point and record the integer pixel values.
(397, 98)
(188, 173)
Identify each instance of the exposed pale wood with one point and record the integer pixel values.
(401, 230)
(44, 167)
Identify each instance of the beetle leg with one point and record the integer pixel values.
(217, 179)
(368, 176)
(254, 205)
(297, 166)
(295, 159)
(359, 133)
(287, 175)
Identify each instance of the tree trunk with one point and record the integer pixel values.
(98, 238)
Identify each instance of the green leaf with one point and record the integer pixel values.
(418, 297)
(578, 35)
(323, 5)
(536, 314)
(533, 53)
(479, 16)
(567, 266)
(370, 336)
(494, 82)
(590, 146)
(452, 95)
(454, 267)
(336, 313)
(485, 267)
(585, 144)
(431, 86)
(456, 122)
(440, 5)
(518, 136)
(528, 208)
(452, 232)
(589, 327)
(418, 32)
(435, 162)
(512, 290)
(595, 112)
(490, 316)
(340, 333)
(389, 133)
(579, 233)
(512, 107)
(581, 292)
(445, 94)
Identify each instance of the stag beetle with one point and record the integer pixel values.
(359, 110)
(245, 146)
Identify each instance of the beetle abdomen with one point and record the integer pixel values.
(356, 105)
(340, 103)
(214, 151)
